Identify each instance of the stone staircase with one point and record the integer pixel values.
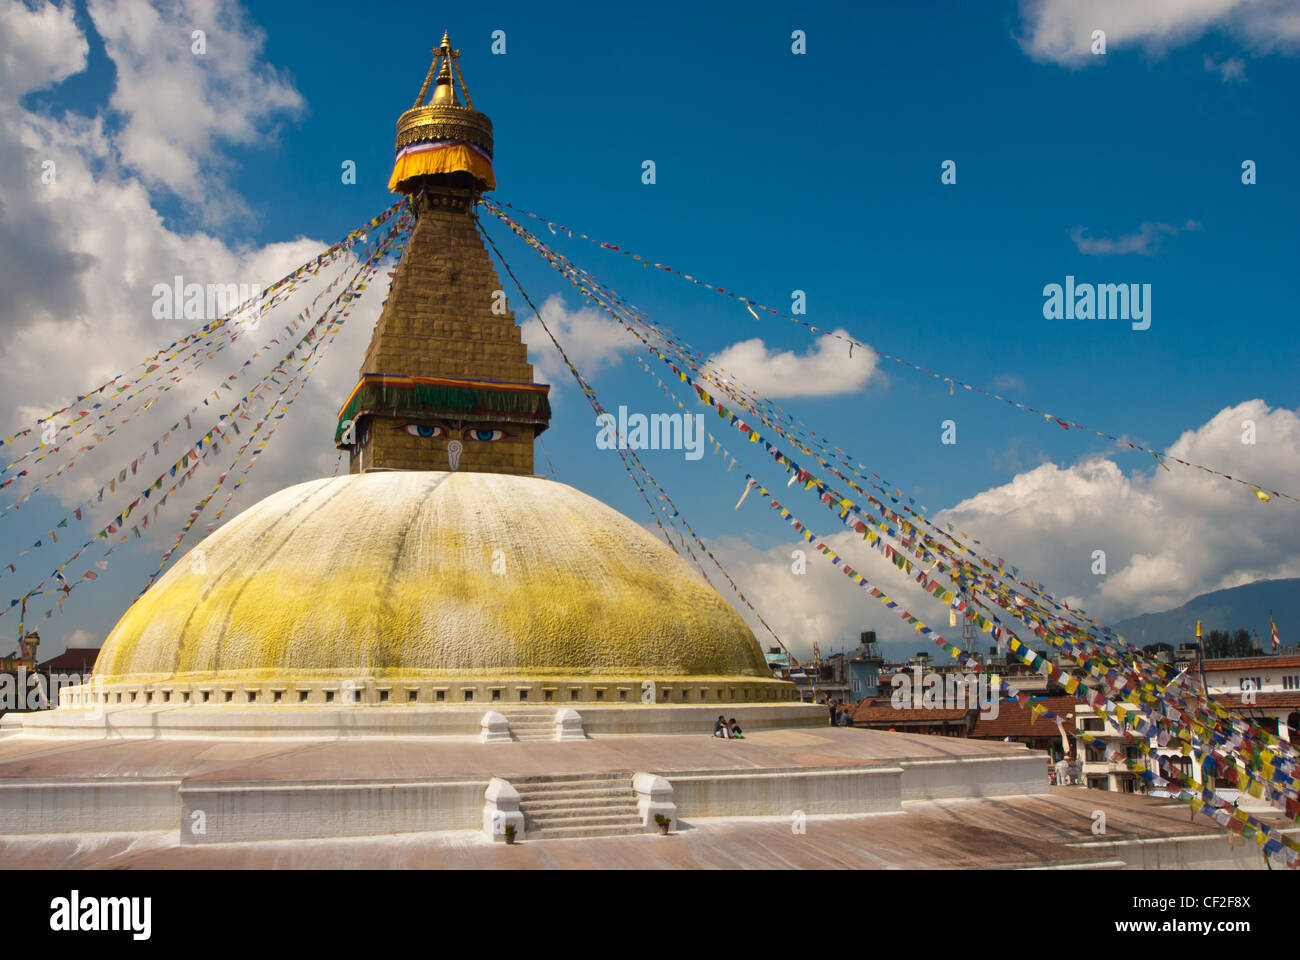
(578, 805)
(528, 725)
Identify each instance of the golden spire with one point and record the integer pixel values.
(443, 121)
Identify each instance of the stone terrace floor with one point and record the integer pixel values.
(1020, 832)
(370, 758)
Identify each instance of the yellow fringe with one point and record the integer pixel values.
(444, 160)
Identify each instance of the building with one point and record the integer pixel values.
(440, 570)
(1099, 771)
(23, 657)
(1009, 723)
(864, 669)
(1264, 690)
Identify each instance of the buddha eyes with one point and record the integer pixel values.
(426, 430)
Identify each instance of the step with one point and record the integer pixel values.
(552, 813)
(595, 780)
(573, 833)
(611, 820)
(611, 776)
(530, 796)
(577, 803)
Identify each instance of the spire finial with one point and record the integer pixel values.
(448, 118)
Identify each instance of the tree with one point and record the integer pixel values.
(1219, 644)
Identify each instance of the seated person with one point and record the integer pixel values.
(736, 732)
(720, 728)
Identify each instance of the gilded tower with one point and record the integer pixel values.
(446, 383)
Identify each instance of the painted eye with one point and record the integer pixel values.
(426, 430)
(485, 435)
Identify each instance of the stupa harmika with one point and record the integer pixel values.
(440, 570)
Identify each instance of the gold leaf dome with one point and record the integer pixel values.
(419, 575)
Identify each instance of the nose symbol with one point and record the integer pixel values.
(453, 453)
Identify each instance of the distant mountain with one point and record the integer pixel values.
(1237, 608)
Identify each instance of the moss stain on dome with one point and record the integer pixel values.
(426, 573)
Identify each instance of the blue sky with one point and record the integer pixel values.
(821, 172)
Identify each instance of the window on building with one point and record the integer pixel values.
(1291, 682)
(1251, 683)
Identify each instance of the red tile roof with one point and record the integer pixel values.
(1013, 720)
(1252, 663)
(78, 659)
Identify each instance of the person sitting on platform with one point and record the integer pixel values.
(720, 728)
(734, 728)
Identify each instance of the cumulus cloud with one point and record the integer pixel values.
(85, 247)
(177, 106)
(43, 47)
(589, 338)
(1167, 535)
(826, 369)
(1060, 31)
(594, 342)
(1146, 242)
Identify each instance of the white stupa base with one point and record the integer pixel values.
(305, 722)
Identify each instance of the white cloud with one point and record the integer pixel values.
(820, 605)
(1168, 536)
(42, 47)
(83, 254)
(178, 107)
(1060, 31)
(589, 338)
(78, 638)
(1229, 69)
(1145, 242)
(826, 369)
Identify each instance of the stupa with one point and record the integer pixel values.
(371, 666)
(440, 571)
